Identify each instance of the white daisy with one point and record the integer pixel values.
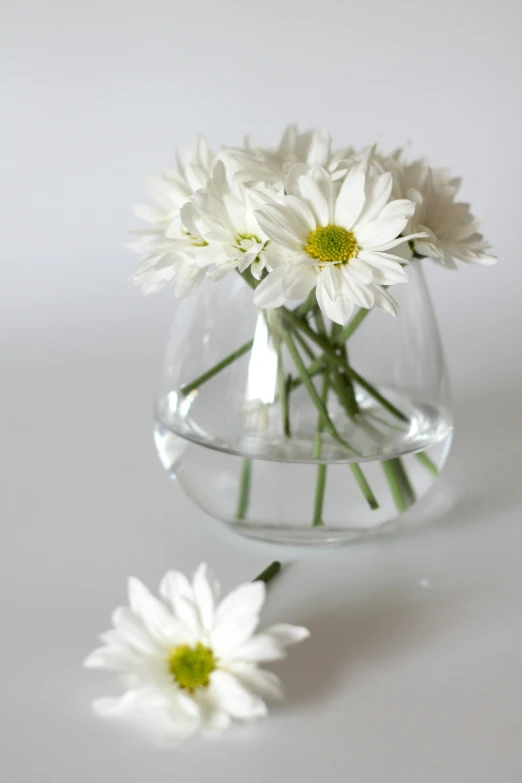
(223, 215)
(452, 231)
(337, 240)
(189, 662)
(311, 148)
(169, 253)
(171, 189)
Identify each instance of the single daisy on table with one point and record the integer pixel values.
(188, 661)
(339, 241)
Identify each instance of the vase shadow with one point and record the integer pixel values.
(483, 472)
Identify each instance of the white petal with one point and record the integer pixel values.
(150, 214)
(246, 260)
(360, 271)
(380, 231)
(235, 698)
(174, 584)
(286, 634)
(271, 291)
(302, 212)
(398, 208)
(350, 200)
(258, 268)
(117, 707)
(114, 638)
(286, 144)
(258, 648)
(244, 601)
(150, 711)
(352, 290)
(385, 301)
(280, 224)
(135, 633)
(187, 281)
(204, 596)
(323, 300)
(153, 613)
(265, 684)
(319, 150)
(188, 217)
(329, 277)
(325, 183)
(338, 310)
(300, 283)
(379, 193)
(111, 658)
(485, 260)
(218, 720)
(429, 249)
(314, 198)
(213, 717)
(232, 633)
(165, 192)
(187, 612)
(399, 241)
(386, 270)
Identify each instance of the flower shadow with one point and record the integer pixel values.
(345, 639)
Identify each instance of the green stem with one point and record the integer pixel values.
(351, 326)
(320, 485)
(308, 304)
(427, 463)
(319, 495)
(244, 488)
(348, 382)
(346, 400)
(314, 396)
(283, 391)
(401, 488)
(373, 392)
(269, 572)
(331, 355)
(338, 382)
(315, 368)
(303, 309)
(304, 345)
(206, 376)
(364, 486)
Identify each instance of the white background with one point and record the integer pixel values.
(403, 679)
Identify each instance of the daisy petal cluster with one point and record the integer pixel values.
(451, 231)
(189, 661)
(338, 240)
(302, 216)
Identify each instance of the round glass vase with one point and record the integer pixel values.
(289, 428)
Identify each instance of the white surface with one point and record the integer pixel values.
(414, 669)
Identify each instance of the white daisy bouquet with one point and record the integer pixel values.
(321, 237)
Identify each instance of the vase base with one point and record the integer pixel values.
(315, 536)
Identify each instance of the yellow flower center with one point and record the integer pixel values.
(332, 243)
(191, 667)
(248, 238)
(193, 240)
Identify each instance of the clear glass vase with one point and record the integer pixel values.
(293, 434)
